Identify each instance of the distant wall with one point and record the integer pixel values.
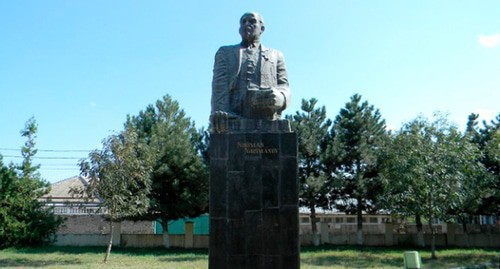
(447, 235)
(201, 241)
(129, 240)
(96, 224)
(130, 234)
(141, 240)
(81, 240)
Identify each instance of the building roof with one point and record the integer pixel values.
(60, 191)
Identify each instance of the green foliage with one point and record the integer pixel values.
(487, 139)
(179, 177)
(28, 170)
(311, 126)
(432, 170)
(119, 175)
(352, 157)
(24, 221)
(201, 140)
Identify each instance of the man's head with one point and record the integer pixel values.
(251, 27)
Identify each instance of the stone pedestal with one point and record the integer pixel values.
(254, 196)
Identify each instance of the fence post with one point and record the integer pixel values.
(450, 234)
(325, 231)
(188, 235)
(389, 234)
(117, 233)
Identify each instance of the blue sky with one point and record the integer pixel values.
(79, 67)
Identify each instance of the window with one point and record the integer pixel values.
(351, 220)
(328, 220)
(304, 220)
(339, 220)
(373, 220)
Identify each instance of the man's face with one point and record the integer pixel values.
(250, 27)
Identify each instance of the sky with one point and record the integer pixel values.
(80, 67)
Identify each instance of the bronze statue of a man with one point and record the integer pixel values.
(250, 81)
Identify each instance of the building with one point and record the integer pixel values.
(84, 215)
(343, 223)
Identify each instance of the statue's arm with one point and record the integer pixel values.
(220, 93)
(282, 79)
(220, 82)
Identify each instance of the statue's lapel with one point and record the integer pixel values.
(264, 52)
(265, 67)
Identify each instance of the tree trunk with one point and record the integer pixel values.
(315, 236)
(433, 243)
(110, 242)
(166, 239)
(359, 231)
(420, 232)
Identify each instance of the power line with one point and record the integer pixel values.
(60, 164)
(45, 158)
(51, 150)
(58, 169)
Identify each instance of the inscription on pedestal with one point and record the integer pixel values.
(256, 148)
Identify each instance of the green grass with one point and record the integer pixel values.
(380, 257)
(311, 258)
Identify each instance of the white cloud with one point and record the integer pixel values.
(489, 41)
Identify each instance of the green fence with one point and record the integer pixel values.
(176, 227)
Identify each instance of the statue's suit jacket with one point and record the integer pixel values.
(225, 94)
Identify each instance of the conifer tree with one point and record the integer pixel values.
(352, 159)
(487, 138)
(311, 126)
(24, 220)
(180, 175)
(28, 151)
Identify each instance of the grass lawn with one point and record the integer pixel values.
(311, 258)
(381, 257)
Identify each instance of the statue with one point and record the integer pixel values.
(254, 202)
(250, 81)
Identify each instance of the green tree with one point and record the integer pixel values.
(179, 177)
(352, 159)
(201, 140)
(430, 170)
(120, 175)
(401, 188)
(24, 220)
(311, 126)
(28, 151)
(487, 139)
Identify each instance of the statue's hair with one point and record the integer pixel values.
(257, 15)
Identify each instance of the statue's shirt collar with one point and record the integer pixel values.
(250, 45)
